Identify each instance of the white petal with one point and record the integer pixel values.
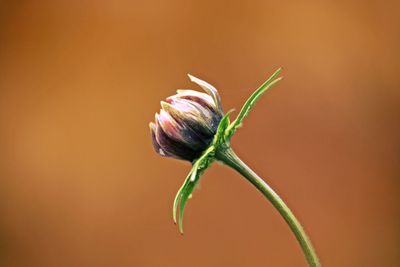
(209, 89)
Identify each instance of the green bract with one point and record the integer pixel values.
(221, 140)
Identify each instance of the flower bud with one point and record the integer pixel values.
(187, 122)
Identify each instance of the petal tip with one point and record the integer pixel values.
(165, 105)
(152, 126)
(191, 77)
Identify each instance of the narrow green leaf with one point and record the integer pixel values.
(251, 102)
(185, 196)
(184, 193)
(199, 166)
(179, 195)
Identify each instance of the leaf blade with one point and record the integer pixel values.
(251, 101)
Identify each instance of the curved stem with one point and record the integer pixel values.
(227, 156)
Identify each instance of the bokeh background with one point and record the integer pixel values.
(80, 184)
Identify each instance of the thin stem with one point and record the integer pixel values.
(227, 156)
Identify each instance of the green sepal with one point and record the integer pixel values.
(198, 168)
(223, 134)
(220, 136)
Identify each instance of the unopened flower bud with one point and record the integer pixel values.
(187, 122)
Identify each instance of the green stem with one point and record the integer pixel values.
(227, 156)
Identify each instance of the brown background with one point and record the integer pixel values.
(80, 184)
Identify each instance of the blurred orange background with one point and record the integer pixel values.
(80, 184)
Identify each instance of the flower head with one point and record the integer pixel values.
(187, 122)
(192, 126)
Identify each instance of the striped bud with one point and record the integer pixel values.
(187, 122)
